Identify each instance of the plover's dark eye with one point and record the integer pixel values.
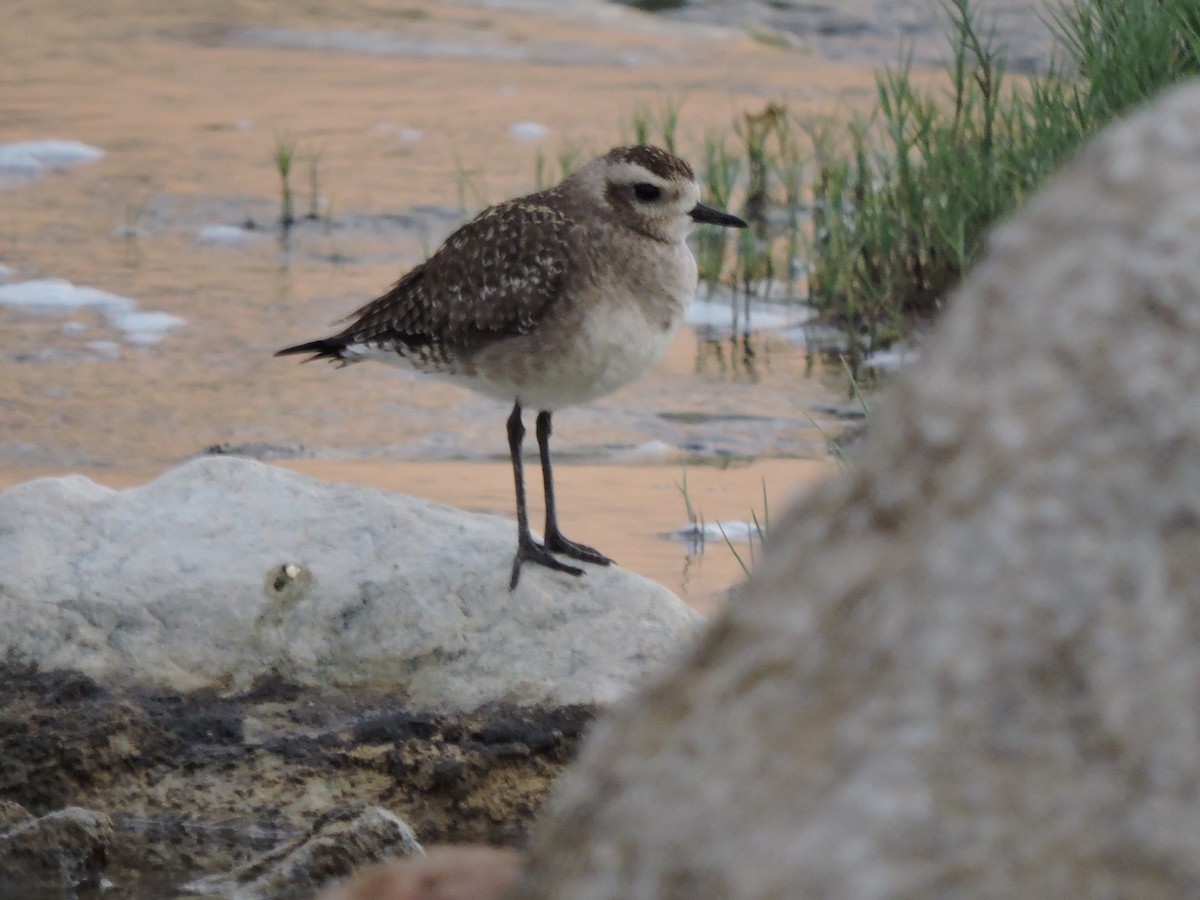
(646, 191)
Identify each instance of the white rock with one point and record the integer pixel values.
(224, 568)
(530, 132)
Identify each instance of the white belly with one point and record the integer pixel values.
(549, 369)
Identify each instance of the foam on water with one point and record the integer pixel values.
(57, 295)
(225, 235)
(530, 132)
(715, 314)
(28, 159)
(891, 360)
(730, 529)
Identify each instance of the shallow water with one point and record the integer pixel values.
(187, 107)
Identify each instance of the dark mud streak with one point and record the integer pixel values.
(198, 781)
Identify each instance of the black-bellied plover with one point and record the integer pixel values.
(548, 300)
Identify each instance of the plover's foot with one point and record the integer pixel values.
(556, 543)
(529, 550)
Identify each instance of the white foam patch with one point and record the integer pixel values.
(147, 327)
(57, 295)
(28, 159)
(890, 360)
(50, 295)
(225, 235)
(717, 314)
(530, 132)
(712, 531)
(650, 449)
(404, 135)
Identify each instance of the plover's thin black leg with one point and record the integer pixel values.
(528, 550)
(554, 538)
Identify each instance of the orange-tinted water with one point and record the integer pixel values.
(188, 103)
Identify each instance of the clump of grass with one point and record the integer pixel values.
(695, 529)
(757, 532)
(285, 154)
(660, 126)
(470, 186)
(641, 125)
(834, 445)
(568, 158)
(668, 123)
(754, 268)
(541, 176)
(1125, 52)
(763, 169)
(313, 158)
(721, 168)
(903, 199)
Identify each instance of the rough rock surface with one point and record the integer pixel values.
(60, 851)
(199, 783)
(337, 843)
(225, 569)
(971, 666)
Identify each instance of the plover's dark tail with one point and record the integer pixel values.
(326, 348)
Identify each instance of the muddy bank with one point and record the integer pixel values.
(197, 783)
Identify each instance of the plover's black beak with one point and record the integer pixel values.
(710, 216)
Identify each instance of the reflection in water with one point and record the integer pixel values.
(730, 358)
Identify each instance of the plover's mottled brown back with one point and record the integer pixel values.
(544, 301)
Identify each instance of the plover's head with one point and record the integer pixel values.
(648, 190)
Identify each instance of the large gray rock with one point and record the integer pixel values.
(969, 668)
(224, 569)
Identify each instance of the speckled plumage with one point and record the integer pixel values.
(547, 300)
(494, 278)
